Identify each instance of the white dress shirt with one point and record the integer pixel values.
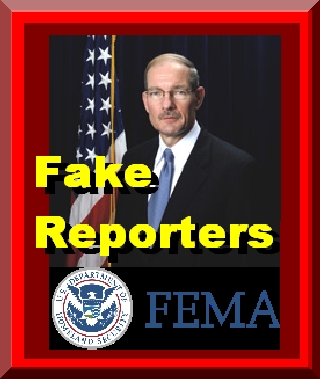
(181, 151)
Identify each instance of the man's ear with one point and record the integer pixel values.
(145, 101)
(199, 95)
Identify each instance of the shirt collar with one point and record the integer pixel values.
(182, 146)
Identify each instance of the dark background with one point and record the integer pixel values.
(241, 75)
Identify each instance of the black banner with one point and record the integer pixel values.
(193, 309)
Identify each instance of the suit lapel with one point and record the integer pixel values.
(191, 179)
(149, 156)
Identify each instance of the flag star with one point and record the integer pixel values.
(106, 105)
(91, 81)
(79, 130)
(91, 105)
(78, 154)
(105, 80)
(105, 37)
(104, 55)
(106, 129)
(91, 56)
(91, 130)
(91, 155)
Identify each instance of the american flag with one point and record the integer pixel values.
(100, 133)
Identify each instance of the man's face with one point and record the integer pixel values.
(171, 117)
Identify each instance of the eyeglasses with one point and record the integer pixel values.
(177, 94)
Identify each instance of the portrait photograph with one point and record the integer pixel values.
(240, 105)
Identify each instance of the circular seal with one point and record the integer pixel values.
(92, 308)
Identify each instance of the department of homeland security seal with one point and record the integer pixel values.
(92, 308)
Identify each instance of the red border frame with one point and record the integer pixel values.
(26, 351)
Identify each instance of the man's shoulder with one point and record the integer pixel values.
(142, 151)
(222, 150)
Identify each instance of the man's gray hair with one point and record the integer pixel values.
(194, 79)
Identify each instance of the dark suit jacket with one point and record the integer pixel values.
(220, 184)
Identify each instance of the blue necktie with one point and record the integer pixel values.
(159, 200)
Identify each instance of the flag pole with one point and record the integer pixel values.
(113, 77)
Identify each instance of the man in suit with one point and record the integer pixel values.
(211, 180)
